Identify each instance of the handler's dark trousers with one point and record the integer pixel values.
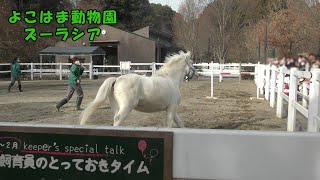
(13, 81)
(71, 90)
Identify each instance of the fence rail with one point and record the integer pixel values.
(221, 70)
(205, 69)
(271, 83)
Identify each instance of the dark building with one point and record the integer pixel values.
(144, 45)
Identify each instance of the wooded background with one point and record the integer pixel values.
(213, 30)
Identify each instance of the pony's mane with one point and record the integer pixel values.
(171, 61)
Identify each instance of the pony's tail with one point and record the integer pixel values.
(104, 91)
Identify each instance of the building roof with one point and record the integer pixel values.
(157, 31)
(106, 41)
(91, 50)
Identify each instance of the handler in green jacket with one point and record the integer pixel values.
(76, 71)
(15, 74)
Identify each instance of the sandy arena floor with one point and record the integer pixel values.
(232, 110)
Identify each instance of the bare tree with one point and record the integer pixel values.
(314, 8)
(292, 29)
(225, 24)
(185, 26)
(311, 3)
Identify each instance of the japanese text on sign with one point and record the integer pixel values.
(75, 17)
(89, 165)
(138, 158)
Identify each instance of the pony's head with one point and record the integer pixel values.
(175, 63)
(190, 69)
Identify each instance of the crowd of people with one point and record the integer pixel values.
(304, 61)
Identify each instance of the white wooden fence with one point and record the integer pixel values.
(61, 69)
(270, 82)
(205, 69)
(200, 154)
(41, 69)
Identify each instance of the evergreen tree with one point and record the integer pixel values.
(131, 14)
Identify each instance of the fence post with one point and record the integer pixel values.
(153, 68)
(31, 71)
(305, 94)
(239, 72)
(256, 76)
(91, 70)
(305, 88)
(40, 70)
(267, 79)
(258, 79)
(121, 67)
(273, 86)
(211, 67)
(314, 102)
(60, 69)
(256, 68)
(280, 87)
(262, 78)
(220, 73)
(292, 112)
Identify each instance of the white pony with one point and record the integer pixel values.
(159, 92)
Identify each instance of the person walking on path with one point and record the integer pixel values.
(15, 74)
(76, 71)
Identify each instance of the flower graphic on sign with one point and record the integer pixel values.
(142, 146)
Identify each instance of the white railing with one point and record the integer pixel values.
(205, 69)
(225, 70)
(221, 70)
(42, 69)
(227, 154)
(271, 81)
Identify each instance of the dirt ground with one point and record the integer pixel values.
(232, 110)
